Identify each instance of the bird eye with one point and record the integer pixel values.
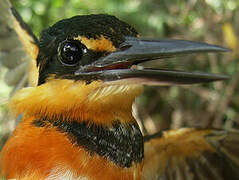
(70, 52)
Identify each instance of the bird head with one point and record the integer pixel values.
(89, 62)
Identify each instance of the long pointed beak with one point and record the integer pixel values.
(137, 49)
(118, 65)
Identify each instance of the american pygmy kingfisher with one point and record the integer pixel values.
(76, 118)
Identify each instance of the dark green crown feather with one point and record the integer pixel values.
(89, 26)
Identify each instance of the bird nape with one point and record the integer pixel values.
(77, 121)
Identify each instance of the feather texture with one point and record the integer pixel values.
(191, 154)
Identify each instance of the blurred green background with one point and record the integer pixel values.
(212, 21)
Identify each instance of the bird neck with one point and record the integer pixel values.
(120, 143)
(76, 101)
(92, 117)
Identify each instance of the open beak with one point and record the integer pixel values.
(121, 65)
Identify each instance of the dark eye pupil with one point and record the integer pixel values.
(71, 53)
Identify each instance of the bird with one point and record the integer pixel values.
(77, 120)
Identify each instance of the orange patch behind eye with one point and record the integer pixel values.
(99, 44)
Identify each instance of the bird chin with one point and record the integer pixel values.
(116, 89)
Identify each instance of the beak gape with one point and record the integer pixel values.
(117, 65)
